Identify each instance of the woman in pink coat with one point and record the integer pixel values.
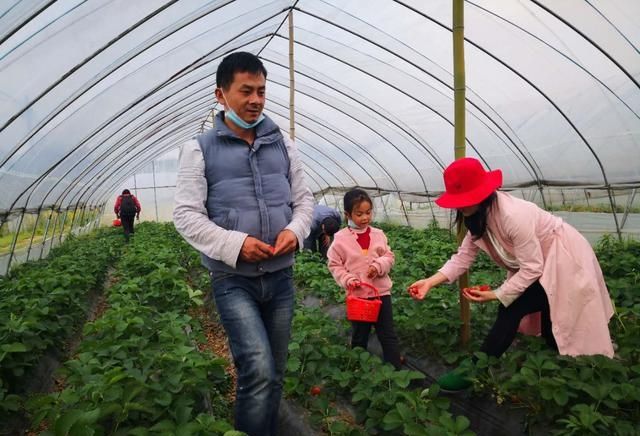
(554, 284)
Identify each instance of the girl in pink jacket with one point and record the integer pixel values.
(360, 254)
(554, 284)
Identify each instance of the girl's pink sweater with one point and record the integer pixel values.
(347, 261)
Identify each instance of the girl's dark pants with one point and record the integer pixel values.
(384, 330)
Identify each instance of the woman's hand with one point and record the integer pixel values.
(479, 294)
(419, 289)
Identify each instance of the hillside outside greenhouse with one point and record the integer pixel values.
(319, 217)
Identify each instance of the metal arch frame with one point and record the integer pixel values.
(26, 21)
(544, 95)
(320, 152)
(214, 50)
(85, 61)
(304, 126)
(589, 40)
(404, 129)
(530, 165)
(88, 168)
(497, 114)
(613, 25)
(343, 135)
(381, 136)
(270, 18)
(272, 36)
(123, 143)
(135, 103)
(120, 174)
(169, 136)
(418, 101)
(605, 181)
(86, 87)
(120, 143)
(542, 41)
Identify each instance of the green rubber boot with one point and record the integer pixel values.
(454, 381)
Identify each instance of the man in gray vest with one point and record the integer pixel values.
(242, 201)
(325, 223)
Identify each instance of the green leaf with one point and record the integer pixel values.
(405, 413)
(413, 429)
(293, 365)
(462, 423)
(164, 425)
(392, 420)
(560, 396)
(163, 398)
(66, 421)
(15, 347)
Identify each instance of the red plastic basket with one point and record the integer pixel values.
(363, 309)
(117, 222)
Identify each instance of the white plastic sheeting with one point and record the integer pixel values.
(92, 91)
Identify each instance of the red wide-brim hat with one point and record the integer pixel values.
(467, 183)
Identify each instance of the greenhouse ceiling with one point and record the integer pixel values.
(91, 91)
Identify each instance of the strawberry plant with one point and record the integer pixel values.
(42, 303)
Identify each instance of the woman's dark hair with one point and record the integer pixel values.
(126, 192)
(330, 225)
(238, 62)
(353, 198)
(477, 223)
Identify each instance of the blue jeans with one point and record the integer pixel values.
(256, 313)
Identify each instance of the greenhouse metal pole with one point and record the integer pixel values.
(46, 232)
(64, 219)
(55, 225)
(15, 240)
(404, 209)
(84, 208)
(155, 195)
(628, 208)
(292, 82)
(73, 219)
(459, 144)
(33, 234)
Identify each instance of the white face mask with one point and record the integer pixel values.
(235, 119)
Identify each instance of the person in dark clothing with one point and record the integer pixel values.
(326, 222)
(127, 208)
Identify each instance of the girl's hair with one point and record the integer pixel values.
(477, 223)
(353, 198)
(126, 192)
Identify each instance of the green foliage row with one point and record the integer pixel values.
(137, 370)
(573, 395)
(322, 370)
(41, 303)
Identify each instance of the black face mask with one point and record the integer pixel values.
(476, 223)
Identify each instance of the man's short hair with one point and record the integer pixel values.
(330, 225)
(238, 62)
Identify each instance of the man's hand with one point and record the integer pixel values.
(326, 240)
(138, 217)
(286, 242)
(373, 272)
(118, 215)
(254, 250)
